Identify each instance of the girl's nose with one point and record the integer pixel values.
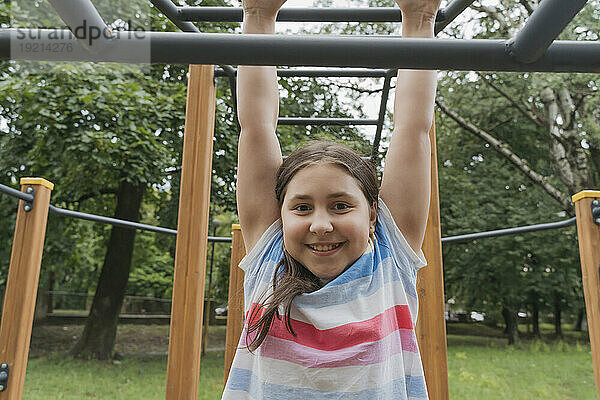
(321, 224)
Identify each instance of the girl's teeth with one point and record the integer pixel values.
(324, 248)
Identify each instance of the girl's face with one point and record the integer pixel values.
(326, 219)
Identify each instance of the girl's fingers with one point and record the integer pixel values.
(423, 7)
(264, 6)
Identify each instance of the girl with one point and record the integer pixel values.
(330, 270)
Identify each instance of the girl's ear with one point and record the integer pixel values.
(372, 217)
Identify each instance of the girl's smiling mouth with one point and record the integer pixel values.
(324, 249)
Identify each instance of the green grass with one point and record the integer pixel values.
(486, 368)
(480, 367)
(137, 377)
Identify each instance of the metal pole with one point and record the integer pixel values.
(124, 224)
(110, 221)
(325, 121)
(230, 73)
(78, 13)
(216, 224)
(450, 13)
(172, 13)
(298, 50)
(28, 198)
(294, 14)
(542, 27)
(382, 109)
(322, 73)
(509, 231)
(82, 18)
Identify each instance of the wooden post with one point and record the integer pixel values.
(431, 324)
(588, 234)
(183, 365)
(22, 284)
(235, 313)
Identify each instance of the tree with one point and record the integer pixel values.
(109, 121)
(543, 125)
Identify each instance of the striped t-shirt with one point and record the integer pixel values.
(355, 336)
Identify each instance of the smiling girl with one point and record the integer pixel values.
(331, 264)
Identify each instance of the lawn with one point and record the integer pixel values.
(480, 367)
(486, 368)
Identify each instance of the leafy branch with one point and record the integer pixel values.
(523, 107)
(506, 152)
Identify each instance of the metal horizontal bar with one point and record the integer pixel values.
(298, 50)
(110, 221)
(80, 294)
(325, 121)
(68, 293)
(16, 193)
(542, 27)
(122, 223)
(509, 231)
(323, 73)
(295, 14)
(135, 225)
(362, 157)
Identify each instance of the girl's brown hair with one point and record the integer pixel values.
(291, 278)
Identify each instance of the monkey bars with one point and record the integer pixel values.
(534, 48)
(297, 50)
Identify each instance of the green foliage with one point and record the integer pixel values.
(513, 271)
(152, 273)
(481, 191)
(86, 127)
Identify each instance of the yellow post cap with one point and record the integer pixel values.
(585, 193)
(236, 227)
(37, 181)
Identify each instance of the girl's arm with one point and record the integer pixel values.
(259, 154)
(406, 183)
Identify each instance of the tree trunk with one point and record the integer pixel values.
(579, 321)
(510, 320)
(557, 319)
(98, 338)
(535, 319)
(41, 303)
(569, 159)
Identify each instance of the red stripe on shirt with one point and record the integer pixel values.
(340, 337)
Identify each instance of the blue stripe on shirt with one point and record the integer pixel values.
(399, 389)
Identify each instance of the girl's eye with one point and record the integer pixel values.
(301, 207)
(341, 206)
